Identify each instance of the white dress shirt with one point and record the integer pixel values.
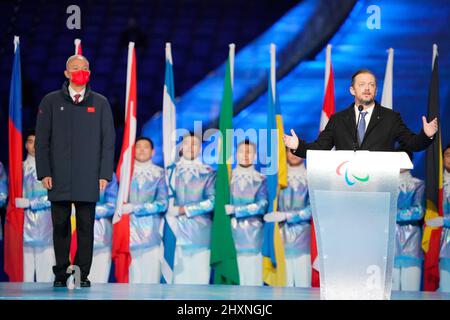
(72, 93)
(368, 115)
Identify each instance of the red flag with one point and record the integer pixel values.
(14, 215)
(121, 223)
(78, 49)
(328, 109)
(328, 106)
(431, 241)
(315, 276)
(73, 240)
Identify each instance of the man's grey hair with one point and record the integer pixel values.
(76, 56)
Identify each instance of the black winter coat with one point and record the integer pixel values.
(74, 144)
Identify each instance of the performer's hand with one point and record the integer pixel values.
(22, 203)
(229, 209)
(47, 183)
(172, 210)
(181, 210)
(291, 141)
(102, 184)
(435, 222)
(315, 264)
(430, 128)
(127, 208)
(275, 216)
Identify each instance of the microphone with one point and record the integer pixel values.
(355, 136)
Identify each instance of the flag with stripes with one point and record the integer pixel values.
(78, 49)
(121, 222)
(73, 221)
(169, 225)
(328, 108)
(15, 216)
(274, 260)
(434, 190)
(223, 251)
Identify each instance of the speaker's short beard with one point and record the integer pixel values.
(367, 102)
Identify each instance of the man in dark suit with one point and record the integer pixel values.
(74, 159)
(378, 128)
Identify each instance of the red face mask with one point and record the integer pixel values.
(80, 77)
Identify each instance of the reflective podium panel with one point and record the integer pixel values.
(354, 203)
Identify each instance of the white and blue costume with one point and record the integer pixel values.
(408, 243)
(293, 201)
(104, 210)
(149, 200)
(248, 206)
(192, 184)
(3, 191)
(38, 253)
(444, 263)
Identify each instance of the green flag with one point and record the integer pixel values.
(223, 251)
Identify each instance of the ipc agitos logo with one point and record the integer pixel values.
(347, 175)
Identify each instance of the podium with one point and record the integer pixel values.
(354, 205)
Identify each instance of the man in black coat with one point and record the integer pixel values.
(379, 128)
(74, 159)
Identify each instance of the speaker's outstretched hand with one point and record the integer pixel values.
(430, 128)
(291, 141)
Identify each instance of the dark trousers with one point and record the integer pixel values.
(85, 217)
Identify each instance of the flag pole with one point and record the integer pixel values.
(386, 98)
(327, 67)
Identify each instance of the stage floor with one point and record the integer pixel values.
(116, 291)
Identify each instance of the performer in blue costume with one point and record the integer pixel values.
(295, 211)
(3, 185)
(248, 206)
(407, 271)
(3, 191)
(192, 183)
(104, 210)
(147, 203)
(38, 253)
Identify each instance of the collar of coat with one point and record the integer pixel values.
(65, 92)
(187, 169)
(297, 176)
(29, 165)
(245, 176)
